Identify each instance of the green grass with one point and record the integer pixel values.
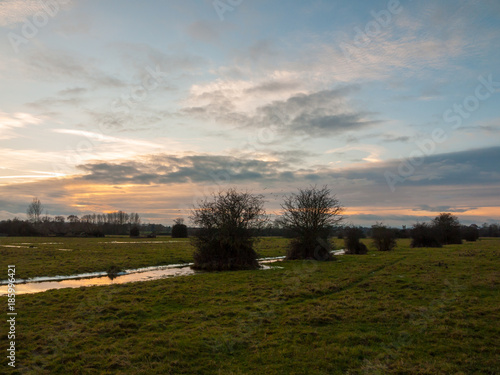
(99, 254)
(410, 311)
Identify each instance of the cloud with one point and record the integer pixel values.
(425, 207)
(272, 86)
(142, 55)
(13, 12)
(59, 65)
(143, 181)
(8, 122)
(317, 114)
(73, 91)
(203, 30)
(170, 169)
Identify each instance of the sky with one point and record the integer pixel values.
(151, 106)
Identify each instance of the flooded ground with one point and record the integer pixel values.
(42, 284)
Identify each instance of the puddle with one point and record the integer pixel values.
(38, 243)
(140, 242)
(20, 247)
(42, 284)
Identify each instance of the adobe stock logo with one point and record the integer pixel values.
(453, 115)
(222, 7)
(31, 27)
(373, 28)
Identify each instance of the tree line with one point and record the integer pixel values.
(39, 223)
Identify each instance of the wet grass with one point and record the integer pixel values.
(42, 256)
(410, 311)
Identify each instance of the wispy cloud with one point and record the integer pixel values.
(8, 122)
(17, 11)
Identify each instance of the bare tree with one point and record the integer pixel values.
(310, 215)
(227, 226)
(34, 211)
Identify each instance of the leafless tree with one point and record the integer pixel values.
(310, 215)
(227, 226)
(34, 211)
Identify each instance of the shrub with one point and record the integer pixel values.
(100, 233)
(226, 231)
(134, 231)
(383, 238)
(179, 230)
(470, 233)
(424, 235)
(113, 271)
(448, 229)
(310, 216)
(352, 244)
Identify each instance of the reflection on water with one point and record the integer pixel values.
(36, 285)
(82, 280)
(41, 284)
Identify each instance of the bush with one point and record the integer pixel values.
(227, 226)
(352, 244)
(424, 235)
(179, 230)
(113, 271)
(383, 238)
(448, 229)
(134, 231)
(310, 216)
(470, 233)
(100, 233)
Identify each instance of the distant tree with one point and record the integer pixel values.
(424, 235)
(179, 230)
(310, 216)
(470, 233)
(448, 228)
(16, 227)
(227, 225)
(352, 243)
(383, 238)
(34, 211)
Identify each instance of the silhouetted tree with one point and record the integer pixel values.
(310, 215)
(34, 211)
(383, 238)
(227, 225)
(448, 228)
(179, 230)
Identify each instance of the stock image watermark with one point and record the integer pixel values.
(32, 25)
(419, 323)
(221, 7)
(11, 315)
(121, 106)
(364, 36)
(140, 92)
(455, 115)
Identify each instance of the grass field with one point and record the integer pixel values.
(42, 256)
(410, 311)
